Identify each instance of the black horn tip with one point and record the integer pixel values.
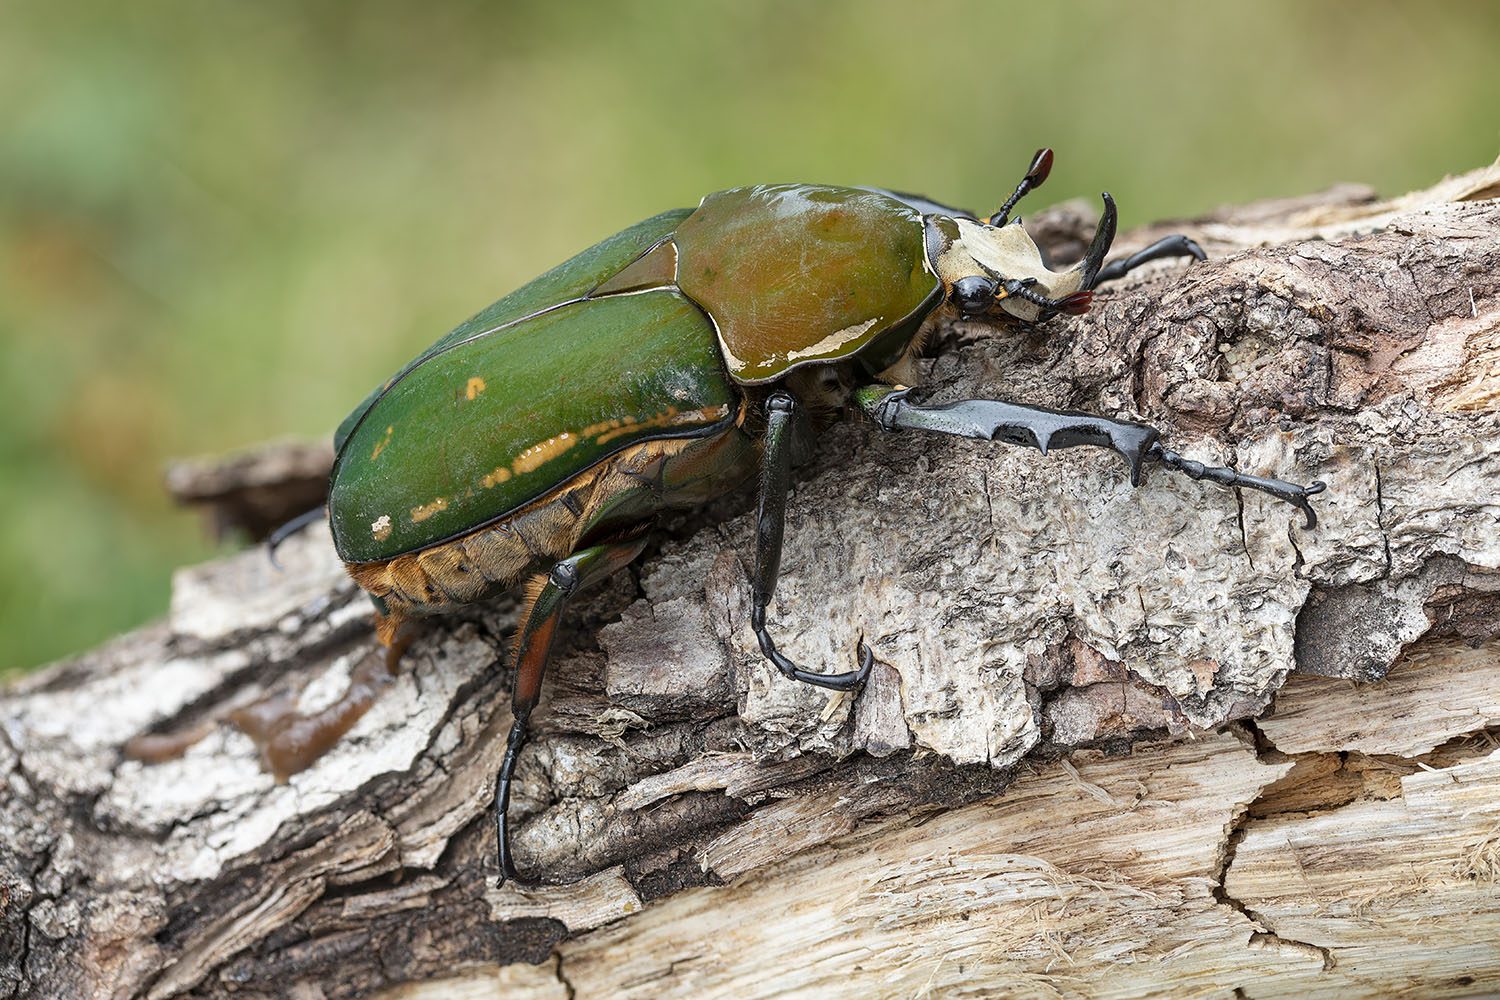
(1104, 236)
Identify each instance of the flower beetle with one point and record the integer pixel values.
(538, 441)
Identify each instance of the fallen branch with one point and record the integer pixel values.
(972, 818)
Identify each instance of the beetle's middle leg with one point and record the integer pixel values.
(781, 413)
(1041, 428)
(549, 594)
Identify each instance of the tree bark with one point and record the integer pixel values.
(1061, 780)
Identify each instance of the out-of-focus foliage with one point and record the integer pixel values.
(222, 222)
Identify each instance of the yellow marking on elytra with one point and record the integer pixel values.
(474, 388)
(709, 414)
(543, 452)
(594, 429)
(632, 424)
(672, 417)
(425, 511)
(381, 527)
(380, 445)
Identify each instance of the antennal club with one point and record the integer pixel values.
(1041, 166)
(1075, 304)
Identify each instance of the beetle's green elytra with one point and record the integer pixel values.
(570, 280)
(540, 440)
(600, 375)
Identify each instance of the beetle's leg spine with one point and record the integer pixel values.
(1014, 423)
(1041, 428)
(781, 412)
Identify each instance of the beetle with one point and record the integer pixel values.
(537, 442)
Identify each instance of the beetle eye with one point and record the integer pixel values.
(974, 295)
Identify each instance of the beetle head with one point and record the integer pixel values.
(988, 269)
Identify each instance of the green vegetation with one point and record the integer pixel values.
(223, 222)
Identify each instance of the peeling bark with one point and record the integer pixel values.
(973, 818)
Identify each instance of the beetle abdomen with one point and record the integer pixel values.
(793, 274)
(438, 579)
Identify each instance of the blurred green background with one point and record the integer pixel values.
(224, 222)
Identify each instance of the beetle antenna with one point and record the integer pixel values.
(1041, 166)
(1075, 304)
(290, 528)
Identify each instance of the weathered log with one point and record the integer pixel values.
(256, 490)
(1060, 780)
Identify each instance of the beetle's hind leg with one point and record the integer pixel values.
(290, 528)
(1167, 246)
(1043, 429)
(781, 413)
(549, 594)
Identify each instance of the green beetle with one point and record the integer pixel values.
(666, 365)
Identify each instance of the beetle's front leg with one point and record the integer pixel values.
(1297, 496)
(533, 647)
(1041, 428)
(781, 412)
